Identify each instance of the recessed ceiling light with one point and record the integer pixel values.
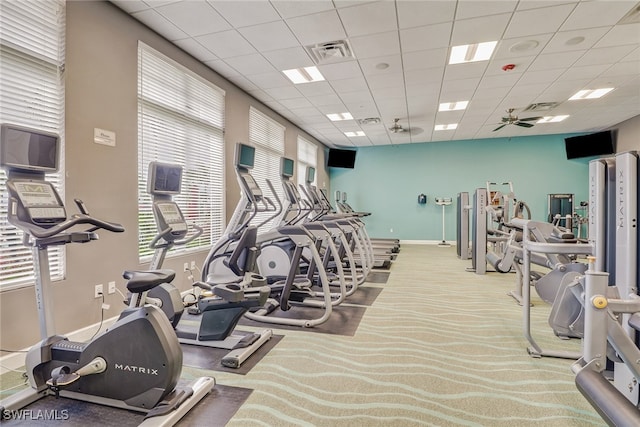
(450, 126)
(452, 106)
(382, 66)
(524, 46)
(472, 52)
(574, 41)
(591, 93)
(304, 75)
(336, 117)
(552, 119)
(356, 133)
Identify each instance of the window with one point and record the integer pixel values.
(268, 137)
(307, 156)
(32, 95)
(180, 121)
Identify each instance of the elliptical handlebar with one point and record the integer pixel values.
(154, 244)
(74, 220)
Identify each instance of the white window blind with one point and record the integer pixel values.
(307, 156)
(267, 136)
(180, 121)
(32, 40)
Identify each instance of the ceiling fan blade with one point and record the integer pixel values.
(528, 119)
(499, 127)
(524, 125)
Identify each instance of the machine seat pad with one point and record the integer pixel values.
(141, 281)
(559, 236)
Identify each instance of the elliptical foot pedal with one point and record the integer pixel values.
(61, 377)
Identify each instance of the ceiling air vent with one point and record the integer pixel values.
(541, 106)
(336, 51)
(369, 121)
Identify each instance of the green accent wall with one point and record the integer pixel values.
(387, 180)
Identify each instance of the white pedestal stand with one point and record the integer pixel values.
(443, 201)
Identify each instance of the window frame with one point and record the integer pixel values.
(32, 90)
(181, 121)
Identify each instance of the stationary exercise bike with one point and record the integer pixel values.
(133, 365)
(210, 321)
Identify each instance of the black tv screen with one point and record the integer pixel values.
(594, 144)
(341, 158)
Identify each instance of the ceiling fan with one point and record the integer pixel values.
(510, 119)
(397, 128)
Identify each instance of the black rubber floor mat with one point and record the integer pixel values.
(378, 277)
(210, 358)
(216, 409)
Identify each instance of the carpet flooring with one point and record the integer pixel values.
(439, 346)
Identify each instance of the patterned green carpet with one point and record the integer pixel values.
(439, 347)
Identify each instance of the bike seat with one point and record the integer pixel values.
(141, 281)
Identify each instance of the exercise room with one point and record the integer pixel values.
(319, 213)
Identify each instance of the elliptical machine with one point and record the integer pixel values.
(136, 363)
(211, 320)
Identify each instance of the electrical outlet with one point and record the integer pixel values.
(193, 265)
(112, 288)
(97, 293)
(391, 230)
(186, 266)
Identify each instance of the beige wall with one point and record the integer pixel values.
(101, 92)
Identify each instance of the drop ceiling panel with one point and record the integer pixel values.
(420, 13)
(369, 18)
(605, 55)
(424, 59)
(286, 92)
(551, 61)
(588, 14)
(478, 30)
(374, 45)
(290, 9)
(196, 50)
(245, 13)
(478, 8)
(269, 80)
(270, 36)
(226, 44)
(160, 24)
(315, 89)
(250, 64)
(286, 59)
(538, 21)
(330, 99)
(222, 68)
(195, 18)
(317, 28)
(620, 35)
(349, 85)
(341, 70)
(295, 103)
(438, 35)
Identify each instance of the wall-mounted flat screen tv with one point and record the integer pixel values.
(594, 144)
(339, 158)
